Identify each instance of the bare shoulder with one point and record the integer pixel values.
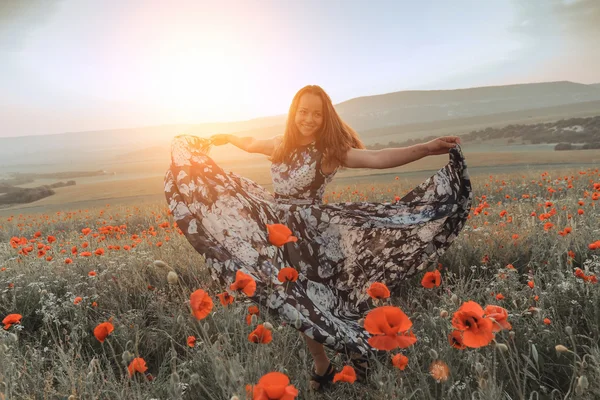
(277, 140)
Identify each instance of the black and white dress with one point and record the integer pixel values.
(342, 247)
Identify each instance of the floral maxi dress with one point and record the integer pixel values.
(342, 247)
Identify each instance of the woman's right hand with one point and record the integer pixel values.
(219, 139)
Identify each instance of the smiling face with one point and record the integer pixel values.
(309, 115)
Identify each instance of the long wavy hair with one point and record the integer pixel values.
(333, 139)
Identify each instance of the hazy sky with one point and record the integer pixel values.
(74, 65)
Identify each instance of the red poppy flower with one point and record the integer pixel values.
(476, 330)
(390, 325)
(378, 290)
(77, 300)
(439, 370)
(280, 234)
(138, 364)
(260, 335)
(456, 340)
(498, 314)
(287, 274)
(400, 361)
(11, 319)
(102, 331)
(274, 386)
(347, 374)
(431, 279)
(191, 341)
(201, 304)
(225, 298)
(244, 282)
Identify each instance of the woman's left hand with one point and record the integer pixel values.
(441, 145)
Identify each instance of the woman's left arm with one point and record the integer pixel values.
(397, 156)
(384, 158)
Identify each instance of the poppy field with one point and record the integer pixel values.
(113, 302)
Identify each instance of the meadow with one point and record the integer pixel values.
(531, 246)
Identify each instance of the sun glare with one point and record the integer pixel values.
(197, 79)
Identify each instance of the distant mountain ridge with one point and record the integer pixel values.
(424, 106)
(366, 113)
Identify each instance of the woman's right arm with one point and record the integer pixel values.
(249, 144)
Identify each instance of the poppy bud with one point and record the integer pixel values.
(127, 357)
(569, 330)
(180, 320)
(161, 264)
(582, 384)
(454, 299)
(433, 354)
(443, 314)
(560, 348)
(502, 347)
(172, 277)
(268, 325)
(234, 397)
(195, 378)
(511, 334)
(361, 322)
(253, 319)
(479, 368)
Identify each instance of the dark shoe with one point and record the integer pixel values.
(323, 380)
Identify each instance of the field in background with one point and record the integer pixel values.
(143, 181)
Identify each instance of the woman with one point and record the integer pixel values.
(342, 248)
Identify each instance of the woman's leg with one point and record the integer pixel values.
(318, 352)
